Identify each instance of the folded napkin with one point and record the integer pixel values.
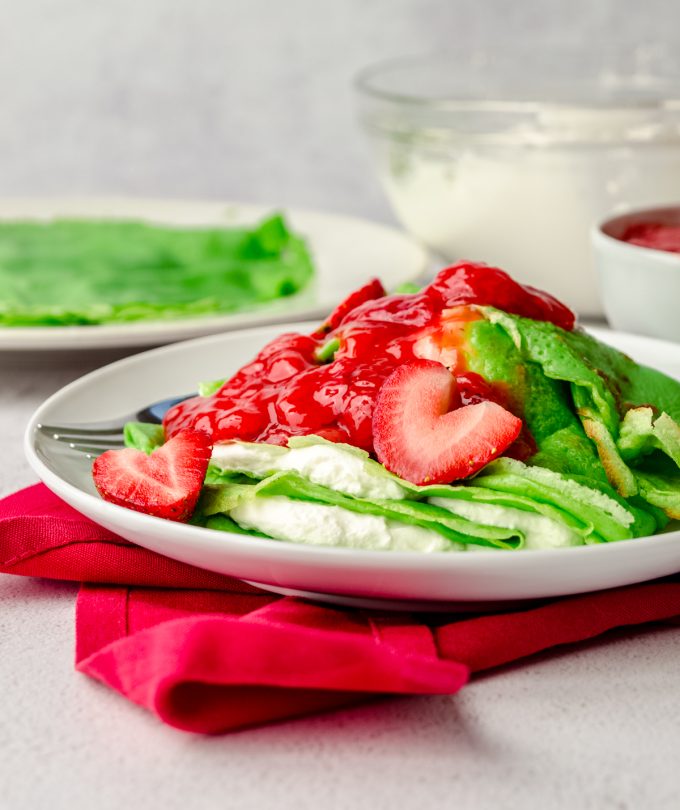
(208, 653)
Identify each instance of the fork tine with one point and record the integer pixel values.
(89, 441)
(94, 438)
(64, 431)
(98, 447)
(75, 441)
(72, 438)
(109, 432)
(90, 451)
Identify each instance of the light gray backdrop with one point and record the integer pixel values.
(250, 99)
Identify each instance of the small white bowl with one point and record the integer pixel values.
(640, 286)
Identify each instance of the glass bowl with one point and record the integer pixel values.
(483, 163)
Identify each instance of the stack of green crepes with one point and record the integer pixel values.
(605, 466)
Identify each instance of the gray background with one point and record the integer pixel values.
(250, 99)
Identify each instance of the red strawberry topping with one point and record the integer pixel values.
(327, 382)
(370, 290)
(475, 283)
(166, 483)
(418, 438)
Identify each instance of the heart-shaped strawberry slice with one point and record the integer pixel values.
(166, 483)
(418, 438)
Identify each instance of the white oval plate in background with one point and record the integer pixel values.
(346, 252)
(387, 578)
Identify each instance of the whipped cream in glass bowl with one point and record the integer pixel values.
(513, 169)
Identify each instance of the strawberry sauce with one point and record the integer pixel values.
(287, 391)
(654, 235)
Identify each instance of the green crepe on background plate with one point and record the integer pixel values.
(78, 272)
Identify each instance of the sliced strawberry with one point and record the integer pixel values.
(416, 436)
(373, 289)
(166, 483)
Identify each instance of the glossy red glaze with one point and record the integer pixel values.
(373, 289)
(469, 283)
(285, 391)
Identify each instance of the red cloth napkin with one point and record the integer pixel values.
(209, 653)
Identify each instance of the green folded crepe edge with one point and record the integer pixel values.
(606, 386)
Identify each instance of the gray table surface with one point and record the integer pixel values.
(596, 725)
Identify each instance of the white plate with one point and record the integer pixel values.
(404, 578)
(346, 253)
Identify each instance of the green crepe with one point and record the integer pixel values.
(506, 490)
(91, 272)
(593, 411)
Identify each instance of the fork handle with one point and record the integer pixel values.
(154, 413)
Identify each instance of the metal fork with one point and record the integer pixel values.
(93, 438)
